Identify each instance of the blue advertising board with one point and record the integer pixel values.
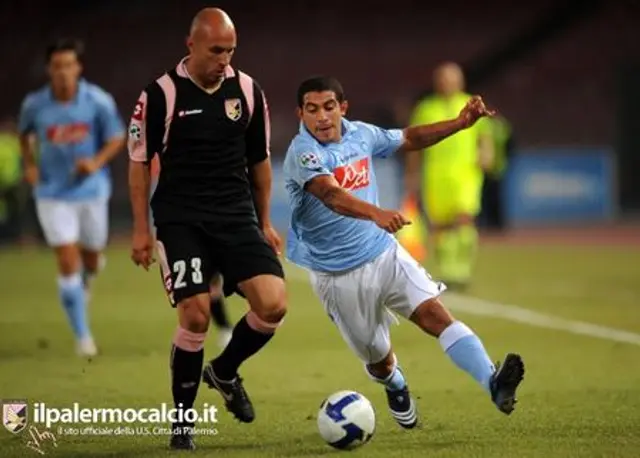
(560, 186)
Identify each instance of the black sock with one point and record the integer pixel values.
(186, 369)
(219, 313)
(245, 342)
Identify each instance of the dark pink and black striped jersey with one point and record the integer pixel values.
(205, 142)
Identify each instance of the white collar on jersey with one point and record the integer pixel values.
(182, 71)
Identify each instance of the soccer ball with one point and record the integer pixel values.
(346, 420)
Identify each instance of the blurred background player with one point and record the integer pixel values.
(218, 308)
(449, 176)
(492, 212)
(76, 129)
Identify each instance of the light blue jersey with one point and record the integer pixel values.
(320, 239)
(66, 132)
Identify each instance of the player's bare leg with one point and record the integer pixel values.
(466, 350)
(267, 298)
(92, 263)
(187, 356)
(219, 315)
(401, 404)
(73, 297)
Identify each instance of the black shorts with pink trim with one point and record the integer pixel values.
(191, 254)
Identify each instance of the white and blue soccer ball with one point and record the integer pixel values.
(346, 420)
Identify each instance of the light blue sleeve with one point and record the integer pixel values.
(306, 161)
(27, 117)
(109, 121)
(384, 142)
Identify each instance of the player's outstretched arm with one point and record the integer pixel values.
(425, 135)
(329, 192)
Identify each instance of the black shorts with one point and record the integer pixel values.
(191, 254)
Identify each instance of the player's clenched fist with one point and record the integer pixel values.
(272, 238)
(474, 110)
(390, 220)
(142, 249)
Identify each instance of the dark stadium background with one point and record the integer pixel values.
(564, 73)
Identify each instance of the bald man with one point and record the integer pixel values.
(209, 124)
(449, 176)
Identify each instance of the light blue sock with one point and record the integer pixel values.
(393, 382)
(73, 299)
(466, 350)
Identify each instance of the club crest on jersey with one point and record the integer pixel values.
(233, 109)
(309, 161)
(14, 415)
(354, 175)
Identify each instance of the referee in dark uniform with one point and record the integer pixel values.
(209, 124)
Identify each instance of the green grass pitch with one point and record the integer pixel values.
(580, 397)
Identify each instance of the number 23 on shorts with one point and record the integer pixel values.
(179, 268)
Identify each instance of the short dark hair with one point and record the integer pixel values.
(65, 44)
(320, 84)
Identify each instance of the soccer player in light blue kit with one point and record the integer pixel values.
(76, 130)
(358, 270)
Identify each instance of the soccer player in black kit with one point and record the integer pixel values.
(209, 124)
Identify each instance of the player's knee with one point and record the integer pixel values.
(194, 313)
(188, 340)
(274, 312)
(432, 317)
(68, 259)
(271, 307)
(266, 321)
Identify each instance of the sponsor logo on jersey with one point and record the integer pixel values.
(61, 134)
(184, 113)
(354, 175)
(138, 111)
